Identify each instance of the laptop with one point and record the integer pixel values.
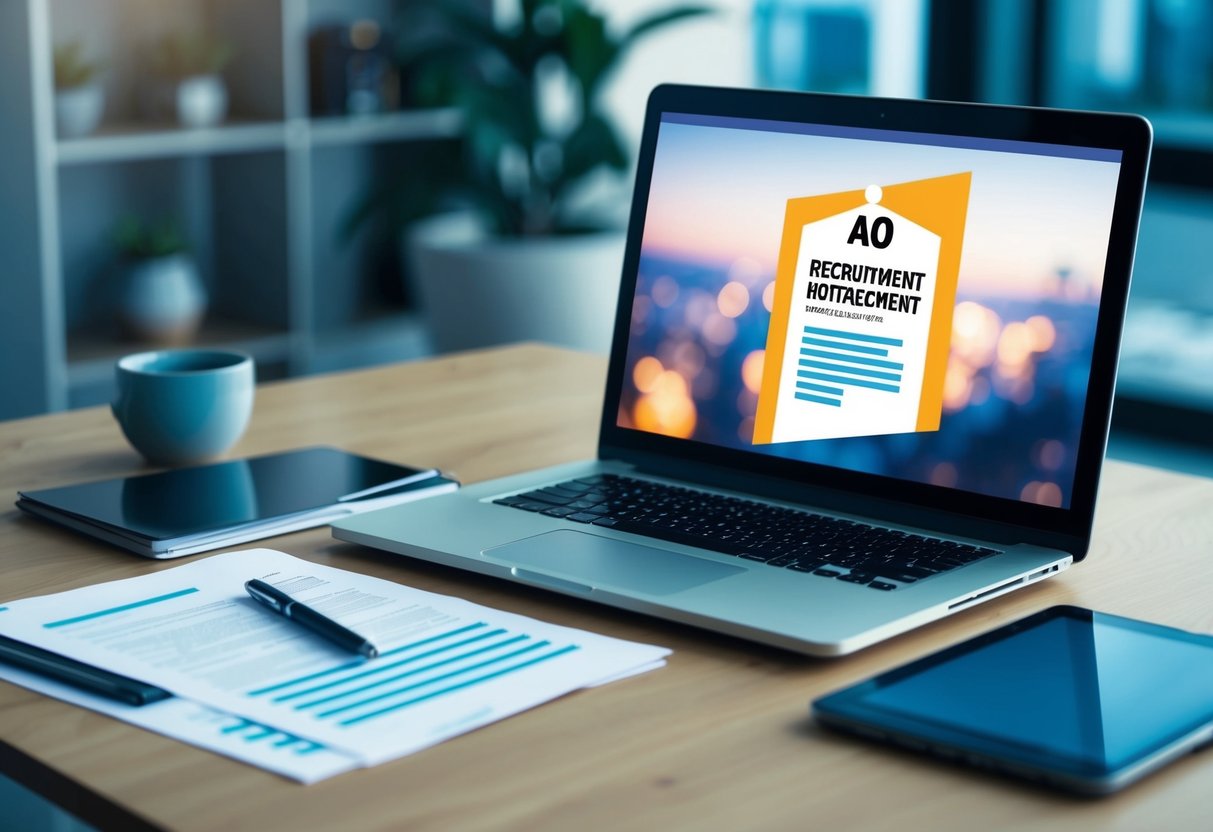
(861, 376)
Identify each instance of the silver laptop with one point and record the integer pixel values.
(861, 376)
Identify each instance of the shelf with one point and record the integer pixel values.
(261, 197)
(406, 125)
(91, 356)
(398, 337)
(133, 142)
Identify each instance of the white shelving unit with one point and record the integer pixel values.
(261, 198)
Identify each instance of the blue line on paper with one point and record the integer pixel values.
(854, 336)
(460, 686)
(819, 388)
(842, 368)
(240, 725)
(381, 682)
(858, 382)
(377, 667)
(145, 602)
(360, 662)
(308, 678)
(855, 359)
(262, 733)
(539, 645)
(806, 397)
(837, 345)
(432, 639)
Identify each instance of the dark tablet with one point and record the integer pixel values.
(187, 510)
(1074, 698)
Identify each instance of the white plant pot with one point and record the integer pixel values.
(478, 290)
(201, 101)
(78, 110)
(162, 301)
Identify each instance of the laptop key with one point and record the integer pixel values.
(551, 499)
(856, 578)
(581, 517)
(516, 500)
(648, 530)
(558, 511)
(532, 505)
(882, 585)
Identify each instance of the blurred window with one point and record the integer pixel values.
(1154, 57)
(872, 47)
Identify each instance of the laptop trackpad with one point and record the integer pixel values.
(602, 561)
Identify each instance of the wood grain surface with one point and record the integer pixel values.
(719, 739)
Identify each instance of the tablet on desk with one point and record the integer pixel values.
(183, 511)
(1074, 698)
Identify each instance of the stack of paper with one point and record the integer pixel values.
(258, 687)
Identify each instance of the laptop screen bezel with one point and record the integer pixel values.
(948, 510)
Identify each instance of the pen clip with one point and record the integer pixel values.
(264, 597)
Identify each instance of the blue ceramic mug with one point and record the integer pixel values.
(179, 407)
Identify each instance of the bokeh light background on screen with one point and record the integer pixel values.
(1023, 327)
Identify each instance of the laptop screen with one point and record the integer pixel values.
(914, 305)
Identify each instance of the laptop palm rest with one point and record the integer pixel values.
(573, 557)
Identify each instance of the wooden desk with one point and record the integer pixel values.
(718, 739)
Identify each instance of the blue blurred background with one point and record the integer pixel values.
(1153, 57)
(262, 196)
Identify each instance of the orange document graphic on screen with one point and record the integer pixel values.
(861, 322)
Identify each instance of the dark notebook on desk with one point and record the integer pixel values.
(862, 370)
(188, 510)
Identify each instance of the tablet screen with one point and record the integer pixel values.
(183, 501)
(1091, 688)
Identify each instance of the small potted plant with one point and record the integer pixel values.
(79, 96)
(161, 298)
(189, 67)
(525, 259)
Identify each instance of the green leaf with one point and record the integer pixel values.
(460, 57)
(588, 49)
(593, 144)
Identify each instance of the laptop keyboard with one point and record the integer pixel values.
(845, 550)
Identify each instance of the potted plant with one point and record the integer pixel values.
(160, 298)
(527, 258)
(189, 67)
(79, 96)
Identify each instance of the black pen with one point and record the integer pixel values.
(78, 674)
(318, 623)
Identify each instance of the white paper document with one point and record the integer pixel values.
(446, 665)
(214, 730)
